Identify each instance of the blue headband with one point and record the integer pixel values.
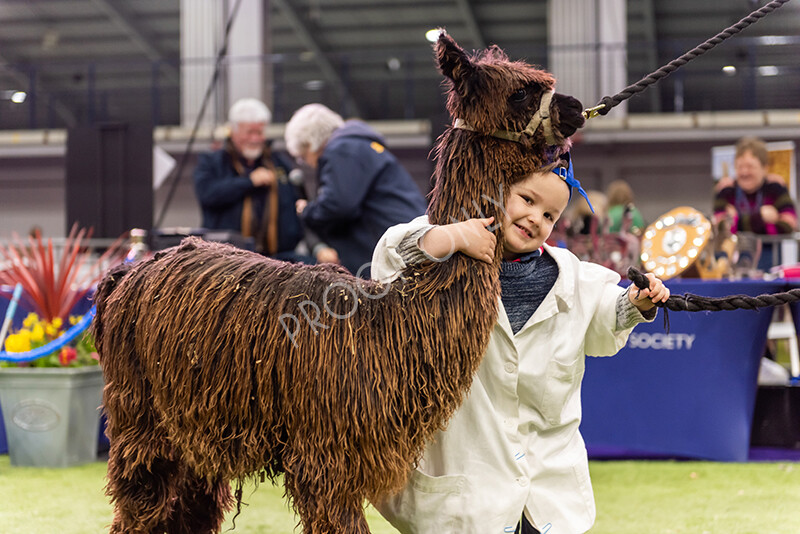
(568, 176)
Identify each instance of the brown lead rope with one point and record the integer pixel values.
(695, 303)
(608, 102)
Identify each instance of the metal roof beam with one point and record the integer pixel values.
(137, 36)
(306, 37)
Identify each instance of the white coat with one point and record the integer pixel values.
(514, 444)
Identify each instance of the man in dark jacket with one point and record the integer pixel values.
(244, 187)
(363, 189)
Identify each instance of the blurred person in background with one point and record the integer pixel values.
(363, 189)
(620, 202)
(585, 220)
(244, 187)
(753, 203)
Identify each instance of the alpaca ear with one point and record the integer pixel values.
(453, 61)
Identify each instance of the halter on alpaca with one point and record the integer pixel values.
(540, 118)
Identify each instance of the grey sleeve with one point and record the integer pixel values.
(409, 248)
(629, 315)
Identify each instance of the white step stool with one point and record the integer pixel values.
(785, 330)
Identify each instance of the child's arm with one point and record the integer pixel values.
(645, 299)
(635, 305)
(401, 245)
(470, 237)
(617, 310)
(388, 260)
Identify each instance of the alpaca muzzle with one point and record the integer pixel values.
(540, 118)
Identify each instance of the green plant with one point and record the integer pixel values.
(53, 283)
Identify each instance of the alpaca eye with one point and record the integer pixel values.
(519, 96)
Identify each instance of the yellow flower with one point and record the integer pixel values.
(53, 329)
(17, 343)
(73, 319)
(37, 333)
(30, 320)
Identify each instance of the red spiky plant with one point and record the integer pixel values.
(54, 282)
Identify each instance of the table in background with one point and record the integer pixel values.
(688, 393)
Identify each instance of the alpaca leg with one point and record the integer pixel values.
(334, 519)
(200, 505)
(143, 495)
(348, 519)
(319, 515)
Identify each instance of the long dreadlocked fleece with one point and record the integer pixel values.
(221, 364)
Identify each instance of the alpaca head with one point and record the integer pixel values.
(499, 134)
(491, 93)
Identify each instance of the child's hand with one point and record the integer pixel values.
(644, 299)
(470, 237)
(476, 240)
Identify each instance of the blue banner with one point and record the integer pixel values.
(689, 392)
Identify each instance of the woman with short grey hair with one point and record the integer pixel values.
(310, 128)
(363, 189)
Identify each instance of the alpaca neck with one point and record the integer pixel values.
(469, 181)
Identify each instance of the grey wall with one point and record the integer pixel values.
(32, 192)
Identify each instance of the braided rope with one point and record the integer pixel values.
(694, 303)
(605, 105)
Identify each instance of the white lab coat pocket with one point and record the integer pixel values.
(561, 383)
(428, 505)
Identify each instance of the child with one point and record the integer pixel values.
(514, 445)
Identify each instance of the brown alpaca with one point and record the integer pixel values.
(221, 364)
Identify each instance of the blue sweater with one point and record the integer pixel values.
(524, 284)
(363, 191)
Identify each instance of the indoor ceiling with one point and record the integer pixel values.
(84, 61)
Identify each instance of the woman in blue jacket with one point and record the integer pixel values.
(363, 189)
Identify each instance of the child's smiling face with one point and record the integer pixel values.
(533, 207)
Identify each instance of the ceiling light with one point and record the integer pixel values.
(771, 40)
(730, 70)
(768, 70)
(393, 64)
(19, 97)
(313, 85)
(433, 35)
(50, 39)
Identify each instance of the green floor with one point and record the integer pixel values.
(632, 498)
